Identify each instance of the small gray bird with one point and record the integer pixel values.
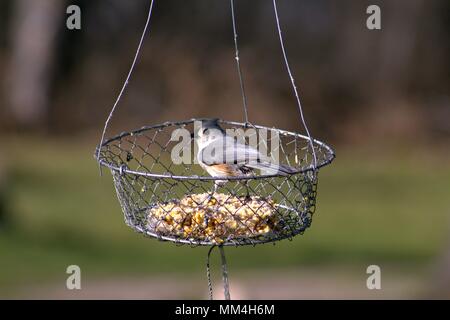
(222, 155)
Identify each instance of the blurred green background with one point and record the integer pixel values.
(380, 98)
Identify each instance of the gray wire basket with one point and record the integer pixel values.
(177, 202)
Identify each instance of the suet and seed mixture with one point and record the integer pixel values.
(215, 218)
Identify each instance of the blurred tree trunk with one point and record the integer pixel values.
(33, 29)
(399, 36)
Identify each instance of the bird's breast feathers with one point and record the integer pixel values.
(224, 170)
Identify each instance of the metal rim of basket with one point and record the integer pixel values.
(121, 169)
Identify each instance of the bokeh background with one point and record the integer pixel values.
(380, 98)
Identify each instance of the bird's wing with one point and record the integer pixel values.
(230, 151)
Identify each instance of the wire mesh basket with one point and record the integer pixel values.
(178, 202)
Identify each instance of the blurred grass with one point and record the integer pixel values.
(372, 208)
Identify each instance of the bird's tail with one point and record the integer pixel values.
(270, 168)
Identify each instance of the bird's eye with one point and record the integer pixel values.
(205, 130)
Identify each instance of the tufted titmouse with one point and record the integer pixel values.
(222, 155)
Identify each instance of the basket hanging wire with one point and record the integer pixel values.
(180, 202)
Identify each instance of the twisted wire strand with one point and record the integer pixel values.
(226, 285)
(208, 273)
